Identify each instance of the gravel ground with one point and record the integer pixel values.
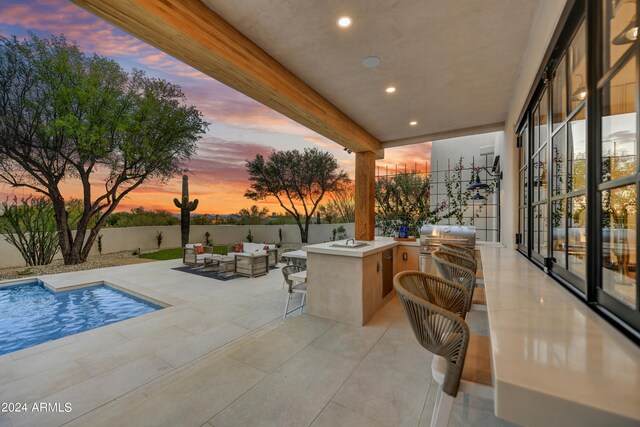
(57, 266)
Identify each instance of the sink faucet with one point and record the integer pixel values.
(350, 240)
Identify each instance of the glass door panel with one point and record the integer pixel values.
(558, 163)
(619, 207)
(559, 103)
(619, 30)
(577, 152)
(577, 54)
(544, 226)
(559, 233)
(542, 173)
(535, 246)
(577, 236)
(619, 124)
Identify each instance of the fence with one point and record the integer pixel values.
(132, 238)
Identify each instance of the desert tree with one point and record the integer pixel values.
(341, 206)
(65, 115)
(297, 180)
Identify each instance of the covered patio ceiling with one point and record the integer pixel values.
(453, 63)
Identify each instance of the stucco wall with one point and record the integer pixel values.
(132, 238)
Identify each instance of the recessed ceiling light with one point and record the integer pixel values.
(371, 62)
(413, 123)
(344, 22)
(390, 89)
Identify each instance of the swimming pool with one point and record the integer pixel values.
(31, 314)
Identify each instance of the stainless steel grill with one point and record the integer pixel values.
(431, 236)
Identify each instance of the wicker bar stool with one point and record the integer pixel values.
(462, 361)
(463, 276)
(464, 252)
(455, 258)
(463, 249)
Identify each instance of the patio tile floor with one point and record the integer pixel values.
(222, 356)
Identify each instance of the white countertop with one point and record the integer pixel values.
(555, 361)
(375, 246)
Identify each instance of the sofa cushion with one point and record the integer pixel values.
(238, 248)
(251, 247)
(257, 253)
(199, 249)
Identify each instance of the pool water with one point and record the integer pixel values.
(31, 314)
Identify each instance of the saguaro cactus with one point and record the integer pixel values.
(186, 207)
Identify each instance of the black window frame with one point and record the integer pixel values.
(590, 290)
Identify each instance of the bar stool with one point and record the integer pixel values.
(464, 252)
(456, 258)
(462, 249)
(463, 276)
(294, 288)
(462, 361)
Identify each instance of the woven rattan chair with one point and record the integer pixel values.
(464, 252)
(462, 276)
(456, 258)
(462, 362)
(463, 249)
(294, 288)
(436, 290)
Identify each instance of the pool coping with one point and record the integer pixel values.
(56, 289)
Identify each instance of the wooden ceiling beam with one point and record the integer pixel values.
(191, 32)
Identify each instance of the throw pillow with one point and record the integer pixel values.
(266, 248)
(199, 250)
(238, 248)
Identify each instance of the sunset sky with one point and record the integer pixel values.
(240, 127)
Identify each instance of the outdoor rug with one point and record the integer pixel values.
(208, 272)
(204, 273)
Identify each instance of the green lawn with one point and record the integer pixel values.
(164, 254)
(176, 253)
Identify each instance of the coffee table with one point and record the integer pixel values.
(226, 266)
(213, 262)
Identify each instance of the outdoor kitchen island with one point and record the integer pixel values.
(350, 284)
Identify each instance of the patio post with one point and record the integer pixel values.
(365, 195)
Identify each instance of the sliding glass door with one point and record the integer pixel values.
(540, 174)
(617, 149)
(568, 164)
(578, 171)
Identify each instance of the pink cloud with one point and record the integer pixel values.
(55, 17)
(160, 61)
(409, 157)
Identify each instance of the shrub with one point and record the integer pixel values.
(29, 225)
(159, 238)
